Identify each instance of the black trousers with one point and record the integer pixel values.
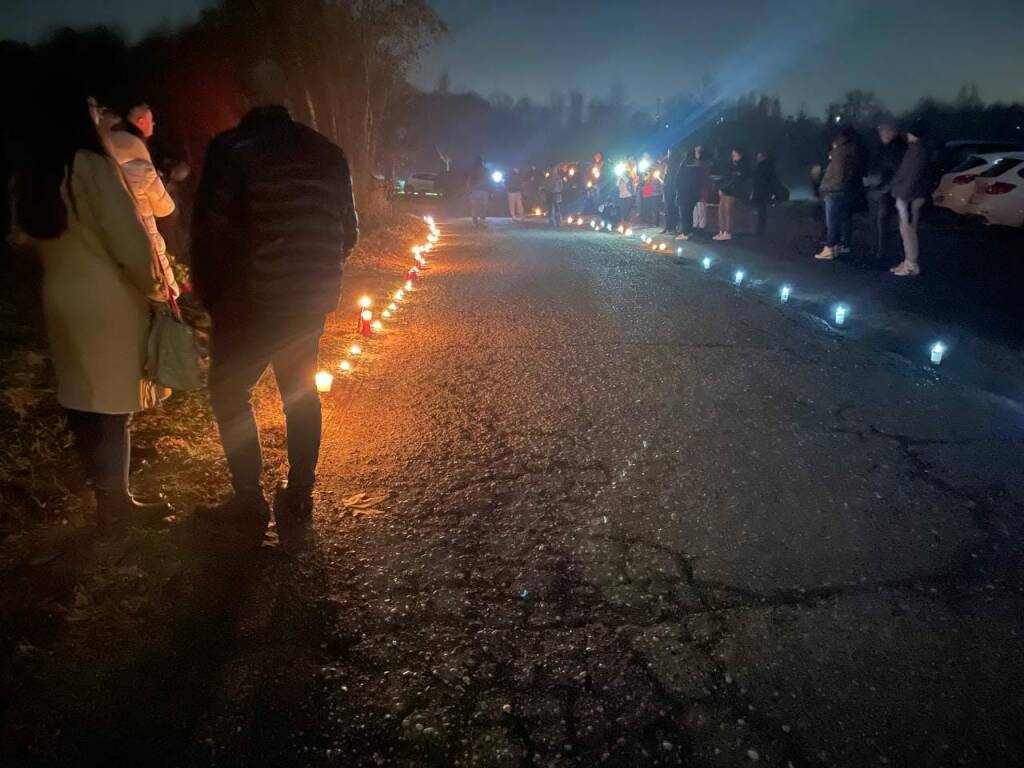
(685, 213)
(240, 352)
(885, 207)
(761, 214)
(671, 212)
(103, 443)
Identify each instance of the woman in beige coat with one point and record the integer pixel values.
(98, 280)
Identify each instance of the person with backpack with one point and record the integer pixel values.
(911, 186)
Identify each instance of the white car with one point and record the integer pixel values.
(956, 187)
(420, 183)
(999, 191)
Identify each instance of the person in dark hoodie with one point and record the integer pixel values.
(766, 188)
(668, 191)
(735, 187)
(910, 187)
(887, 162)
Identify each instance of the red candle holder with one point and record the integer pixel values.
(365, 317)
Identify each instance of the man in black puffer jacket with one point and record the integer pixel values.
(274, 222)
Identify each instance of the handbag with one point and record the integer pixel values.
(174, 358)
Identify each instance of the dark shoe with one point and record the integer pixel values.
(293, 518)
(292, 504)
(151, 504)
(117, 511)
(236, 524)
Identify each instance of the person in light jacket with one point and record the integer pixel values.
(910, 187)
(151, 198)
(74, 211)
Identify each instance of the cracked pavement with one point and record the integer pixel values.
(635, 516)
(639, 517)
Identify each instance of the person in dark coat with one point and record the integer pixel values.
(839, 191)
(687, 193)
(766, 188)
(668, 191)
(275, 220)
(887, 162)
(735, 187)
(911, 186)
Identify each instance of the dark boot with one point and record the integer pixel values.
(104, 444)
(235, 525)
(292, 504)
(117, 510)
(293, 516)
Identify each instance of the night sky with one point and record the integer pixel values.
(807, 52)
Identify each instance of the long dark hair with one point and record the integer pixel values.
(62, 126)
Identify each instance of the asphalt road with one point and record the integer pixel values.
(633, 515)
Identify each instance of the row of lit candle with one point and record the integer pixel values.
(368, 325)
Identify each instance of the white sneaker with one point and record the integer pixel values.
(826, 254)
(722, 236)
(682, 236)
(907, 270)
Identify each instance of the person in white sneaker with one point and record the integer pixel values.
(835, 192)
(910, 187)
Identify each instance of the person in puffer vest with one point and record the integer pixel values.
(274, 221)
(151, 198)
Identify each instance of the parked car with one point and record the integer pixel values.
(420, 183)
(999, 191)
(956, 187)
(953, 153)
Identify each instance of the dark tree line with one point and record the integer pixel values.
(346, 61)
(523, 132)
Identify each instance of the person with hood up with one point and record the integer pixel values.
(911, 186)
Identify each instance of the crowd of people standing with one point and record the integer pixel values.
(900, 182)
(676, 191)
